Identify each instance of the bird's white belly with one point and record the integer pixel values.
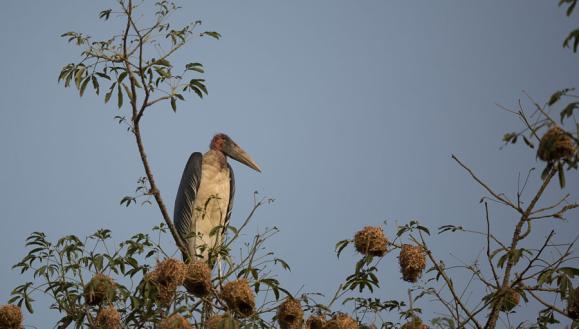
(210, 207)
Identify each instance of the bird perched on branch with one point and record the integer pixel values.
(205, 196)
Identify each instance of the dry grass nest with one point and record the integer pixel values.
(99, 289)
(511, 300)
(415, 323)
(108, 318)
(198, 278)
(371, 241)
(239, 297)
(555, 145)
(175, 321)
(341, 321)
(224, 321)
(316, 322)
(10, 317)
(290, 314)
(166, 277)
(412, 262)
(573, 305)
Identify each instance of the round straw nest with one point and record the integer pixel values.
(108, 318)
(573, 305)
(239, 297)
(175, 321)
(315, 322)
(290, 314)
(224, 321)
(341, 321)
(511, 300)
(556, 144)
(10, 317)
(370, 241)
(100, 288)
(414, 323)
(166, 277)
(412, 262)
(198, 278)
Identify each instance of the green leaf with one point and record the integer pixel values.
(108, 96)
(78, 76)
(561, 175)
(572, 37)
(119, 96)
(95, 84)
(173, 104)
(198, 67)
(105, 14)
(83, 86)
(162, 62)
(212, 34)
(568, 110)
(572, 4)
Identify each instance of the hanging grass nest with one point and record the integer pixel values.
(290, 314)
(555, 145)
(198, 279)
(166, 277)
(371, 241)
(412, 262)
(100, 288)
(573, 305)
(224, 321)
(10, 317)
(511, 300)
(175, 321)
(108, 318)
(239, 297)
(316, 322)
(414, 323)
(341, 321)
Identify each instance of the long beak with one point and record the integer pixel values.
(237, 153)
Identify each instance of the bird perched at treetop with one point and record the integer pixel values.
(205, 196)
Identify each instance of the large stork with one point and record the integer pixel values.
(205, 196)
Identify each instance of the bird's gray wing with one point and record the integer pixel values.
(231, 195)
(183, 213)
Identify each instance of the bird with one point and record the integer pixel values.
(205, 196)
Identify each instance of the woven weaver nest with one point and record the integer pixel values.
(412, 262)
(239, 297)
(10, 317)
(224, 321)
(371, 241)
(290, 314)
(341, 321)
(108, 318)
(175, 321)
(198, 278)
(573, 305)
(414, 323)
(315, 322)
(166, 277)
(100, 288)
(555, 145)
(511, 300)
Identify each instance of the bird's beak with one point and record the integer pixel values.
(237, 153)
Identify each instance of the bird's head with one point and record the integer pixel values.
(225, 144)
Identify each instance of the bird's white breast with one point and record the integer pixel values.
(212, 201)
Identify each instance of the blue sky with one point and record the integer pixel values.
(352, 109)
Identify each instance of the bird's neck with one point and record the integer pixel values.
(217, 156)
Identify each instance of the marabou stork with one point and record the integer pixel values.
(205, 196)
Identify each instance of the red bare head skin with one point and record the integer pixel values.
(218, 141)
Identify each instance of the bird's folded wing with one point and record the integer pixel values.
(183, 213)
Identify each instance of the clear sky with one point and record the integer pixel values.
(351, 108)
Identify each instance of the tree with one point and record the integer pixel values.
(99, 285)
